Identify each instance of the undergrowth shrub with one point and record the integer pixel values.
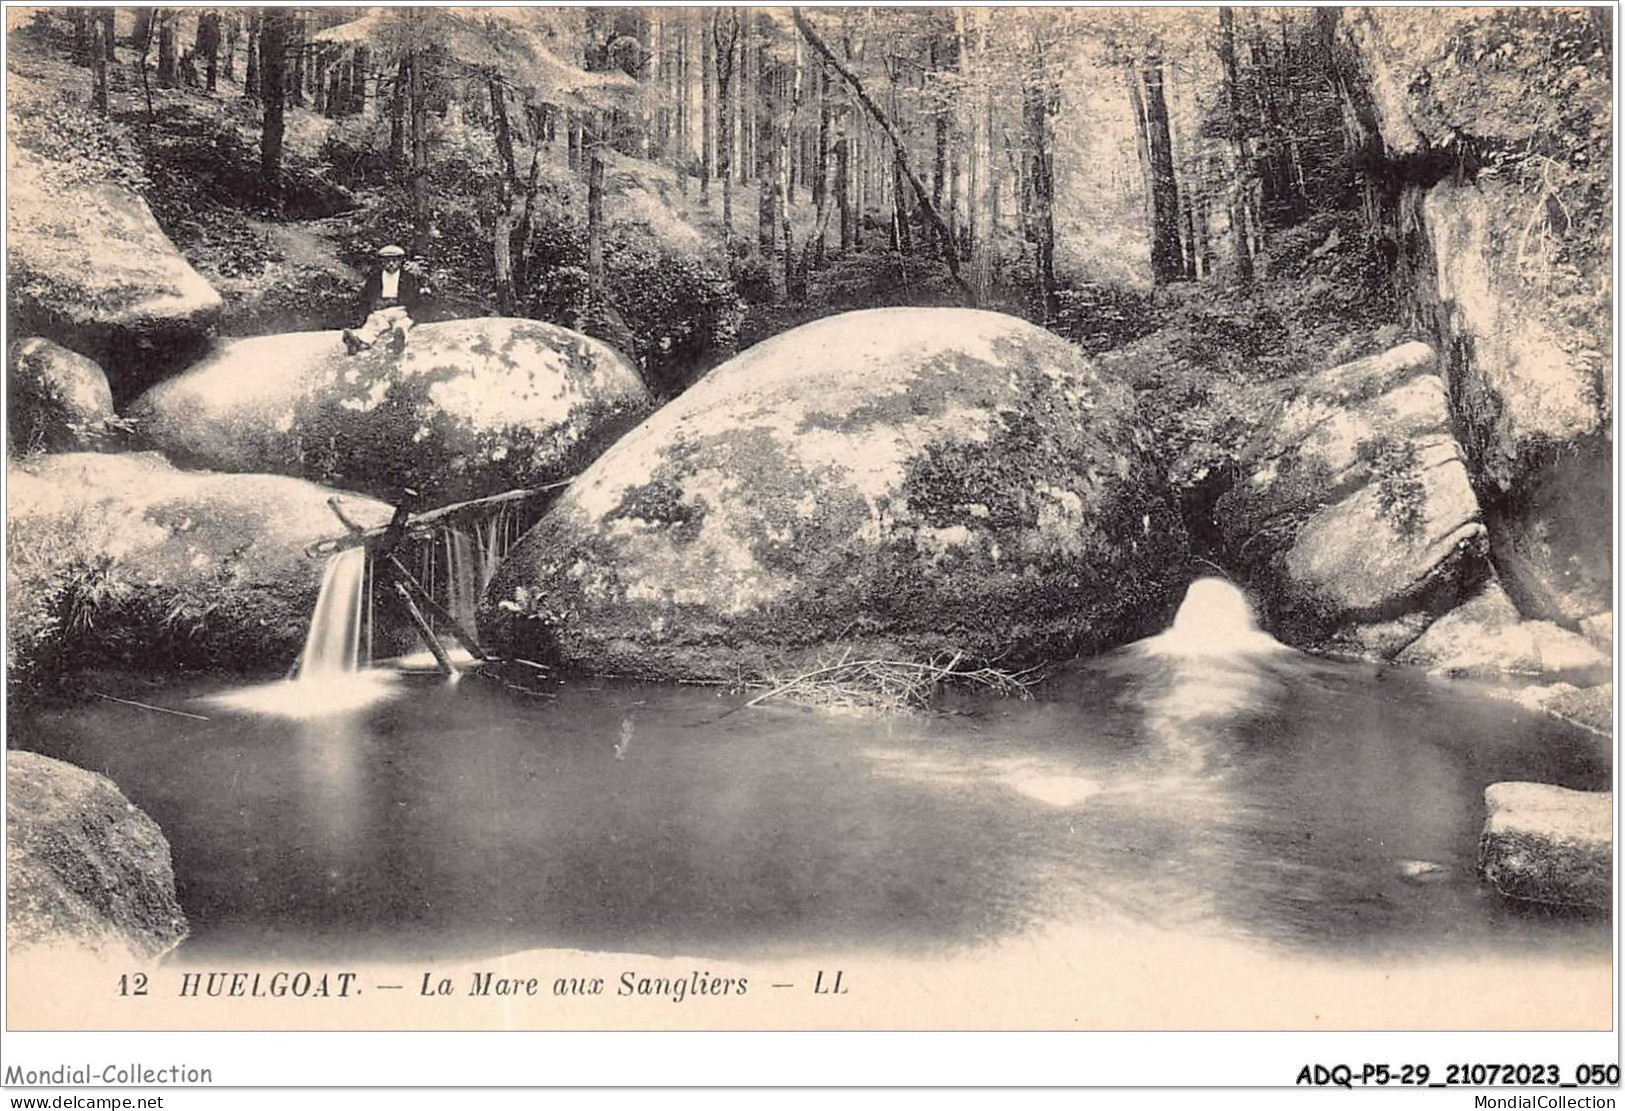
(675, 314)
(1100, 316)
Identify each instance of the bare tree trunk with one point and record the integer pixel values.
(981, 222)
(233, 30)
(766, 151)
(1236, 193)
(1142, 141)
(397, 114)
(208, 47)
(527, 226)
(820, 185)
(939, 123)
(843, 190)
(420, 158)
(708, 101)
(1204, 220)
(165, 19)
(296, 75)
(725, 50)
(813, 249)
(685, 100)
(355, 97)
(749, 95)
(595, 218)
(1167, 264)
(504, 134)
(106, 17)
(144, 25)
(251, 83)
(862, 154)
(1187, 230)
(659, 79)
(320, 100)
(274, 31)
(81, 37)
(902, 236)
(1039, 193)
(783, 198)
(945, 238)
(502, 249)
(972, 132)
(98, 67)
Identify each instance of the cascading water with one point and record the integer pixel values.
(464, 572)
(1213, 620)
(455, 567)
(335, 672)
(493, 545)
(333, 646)
(1202, 680)
(331, 677)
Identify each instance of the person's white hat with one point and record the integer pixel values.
(391, 251)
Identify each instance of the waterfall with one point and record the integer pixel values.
(330, 677)
(338, 627)
(1202, 681)
(1213, 620)
(464, 577)
(493, 544)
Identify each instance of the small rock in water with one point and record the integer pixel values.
(1548, 844)
(1054, 790)
(1422, 871)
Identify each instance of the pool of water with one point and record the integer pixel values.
(1263, 797)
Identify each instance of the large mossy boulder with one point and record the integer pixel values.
(1548, 844)
(123, 560)
(906, 482)
(1534, 400)
(90, 268)
(1496, 126)
(470, 407)
(57, 400)
(1354, 516)
(84, 868)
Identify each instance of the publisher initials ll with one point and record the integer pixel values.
(832, 988)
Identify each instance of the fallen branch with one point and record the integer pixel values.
(889, 686)
(945, 238)
(422, 523)
(145, 706)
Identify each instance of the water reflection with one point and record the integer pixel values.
(310, 698)
(1266, 797)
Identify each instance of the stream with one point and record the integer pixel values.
(1241, 791)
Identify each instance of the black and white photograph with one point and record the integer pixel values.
(912, 518)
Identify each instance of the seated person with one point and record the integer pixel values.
(389, 300)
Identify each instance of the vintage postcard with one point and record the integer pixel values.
(834, 518)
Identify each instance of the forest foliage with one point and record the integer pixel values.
(679, 181)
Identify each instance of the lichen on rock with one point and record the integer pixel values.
(1548, 844)
(89, 266)
(1354, 514)
(908, 480)
(470, 407)
(124, 560)
(85, 868)
(1489, 138)
(58, 400)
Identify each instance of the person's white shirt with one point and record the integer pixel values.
(391, 284)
